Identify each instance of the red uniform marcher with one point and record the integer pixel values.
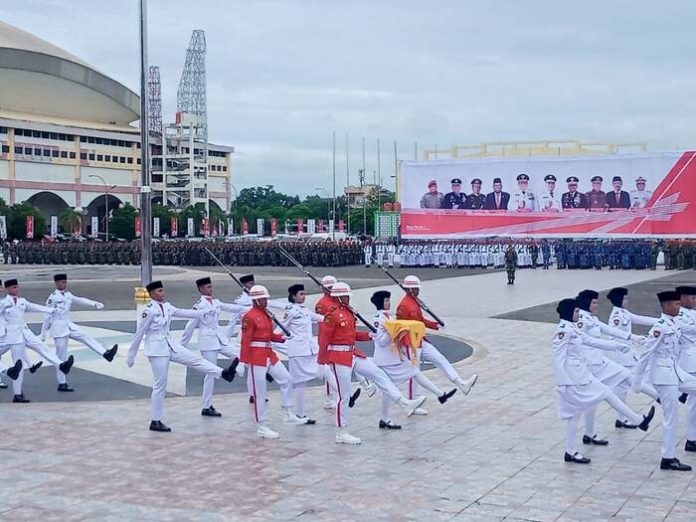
(256, 352)
(322, 307)
(337, 341)
(409, 309)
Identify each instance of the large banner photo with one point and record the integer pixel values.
(621, 195)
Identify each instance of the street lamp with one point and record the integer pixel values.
(328, 205)
(106, 202)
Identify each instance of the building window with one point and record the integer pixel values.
(37, 152)
(19, 132)
(83, 139)
(61, 137)
(54, 154)
(91, 157)
(54, 135)
(107, 158)
(46, 152)
(44, 135)
(63, 154)
(123, 159)
(36, 134)
(3, 130)
(100, 157)
(138, 161)
(72, 155)
(5, 149)
(69, 137)
(90, 139)
(224, 168)
(83, 155)
(130, 161)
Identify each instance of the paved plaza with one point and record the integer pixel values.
(493, 455)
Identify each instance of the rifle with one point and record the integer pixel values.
(295, 262)
(418, 299)
(234, 278)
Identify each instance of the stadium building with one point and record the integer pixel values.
(68, 136)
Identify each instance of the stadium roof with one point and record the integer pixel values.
(39, 78)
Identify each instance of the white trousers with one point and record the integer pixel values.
(160, 370)
(256, 384)
(299, 385)
(62, 348)
(367, 369)
(19, 352)
(669, 399)
(431, 354)
(209, 380)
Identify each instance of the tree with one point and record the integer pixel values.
(265, 197)
(300, 211)
(70, 221)
(17, 222)
(122, 223)
(197, 212)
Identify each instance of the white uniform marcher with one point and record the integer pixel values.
(161, 348)
(61, 327)
(660, 361)
(19, 337)
(212, 340)
(576, 388)
(687, 360)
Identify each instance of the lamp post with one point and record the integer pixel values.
(145, 201)
(106, 203)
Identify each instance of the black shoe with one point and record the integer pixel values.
(308, 421)
(389, 425)
(269, 378)
(674, 465)
(210, 412)
(251, 399)
(445, 396)
(594, 441)
(690, 445)
(36, 367)
(64, 388)
(20, 398)
(646, 419)
(683, 397)
(65, 366)
(229, 373)
(110, 353)
(353, 398)
(3, 386)
(159, 426)
(624, 425)
(13, 372)
(576, 457)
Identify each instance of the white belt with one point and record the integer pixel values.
(260, 344)
(340, 348)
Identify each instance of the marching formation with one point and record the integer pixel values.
(590, 369)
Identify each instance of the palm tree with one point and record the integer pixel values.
(70, 221)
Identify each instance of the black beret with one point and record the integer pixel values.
(596, 178)
(247, 279)
(616, 295)
(497, 180)
(203, 281)
(11, 282)
(668, 295)
(476, 180)
(456, 181)
(154, 286)
(566, 308)
(686, 290)
(549, 177)
(379, 297)
(617, 178)
(60, 277)
(572, 179)
(522, 177)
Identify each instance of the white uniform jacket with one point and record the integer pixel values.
(524, 201)
(154, 327)
(234, 326)
(590, 325)
(687, 342)
(385, 354)
(661, 354)
(59, 323)
(624, 320)
(14, 311)
(298, 320)
(210, 335)
(570, 353)
(549, 203)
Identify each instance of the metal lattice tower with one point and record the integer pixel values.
(154, 99)
(191, 97)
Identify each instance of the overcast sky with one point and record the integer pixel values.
(283, 74)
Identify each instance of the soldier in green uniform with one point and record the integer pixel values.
(511, 263)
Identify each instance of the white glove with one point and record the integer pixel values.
(640, 339)
(99, 306)
(130, 362)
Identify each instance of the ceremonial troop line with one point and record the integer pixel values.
(590, 368)
(252, 342)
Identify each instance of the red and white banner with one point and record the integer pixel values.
(341, 226)
(621, 195)
(173, 227)
(300, 226)
(30, 227)
(320, 225)
(205, 225)
(138, 226)
(245, 226)
(274, 227)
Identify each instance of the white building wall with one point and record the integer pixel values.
(33, 171)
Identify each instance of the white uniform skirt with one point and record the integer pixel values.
(303, 368)
(610, 373)
(577, 398)
(401, 372)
